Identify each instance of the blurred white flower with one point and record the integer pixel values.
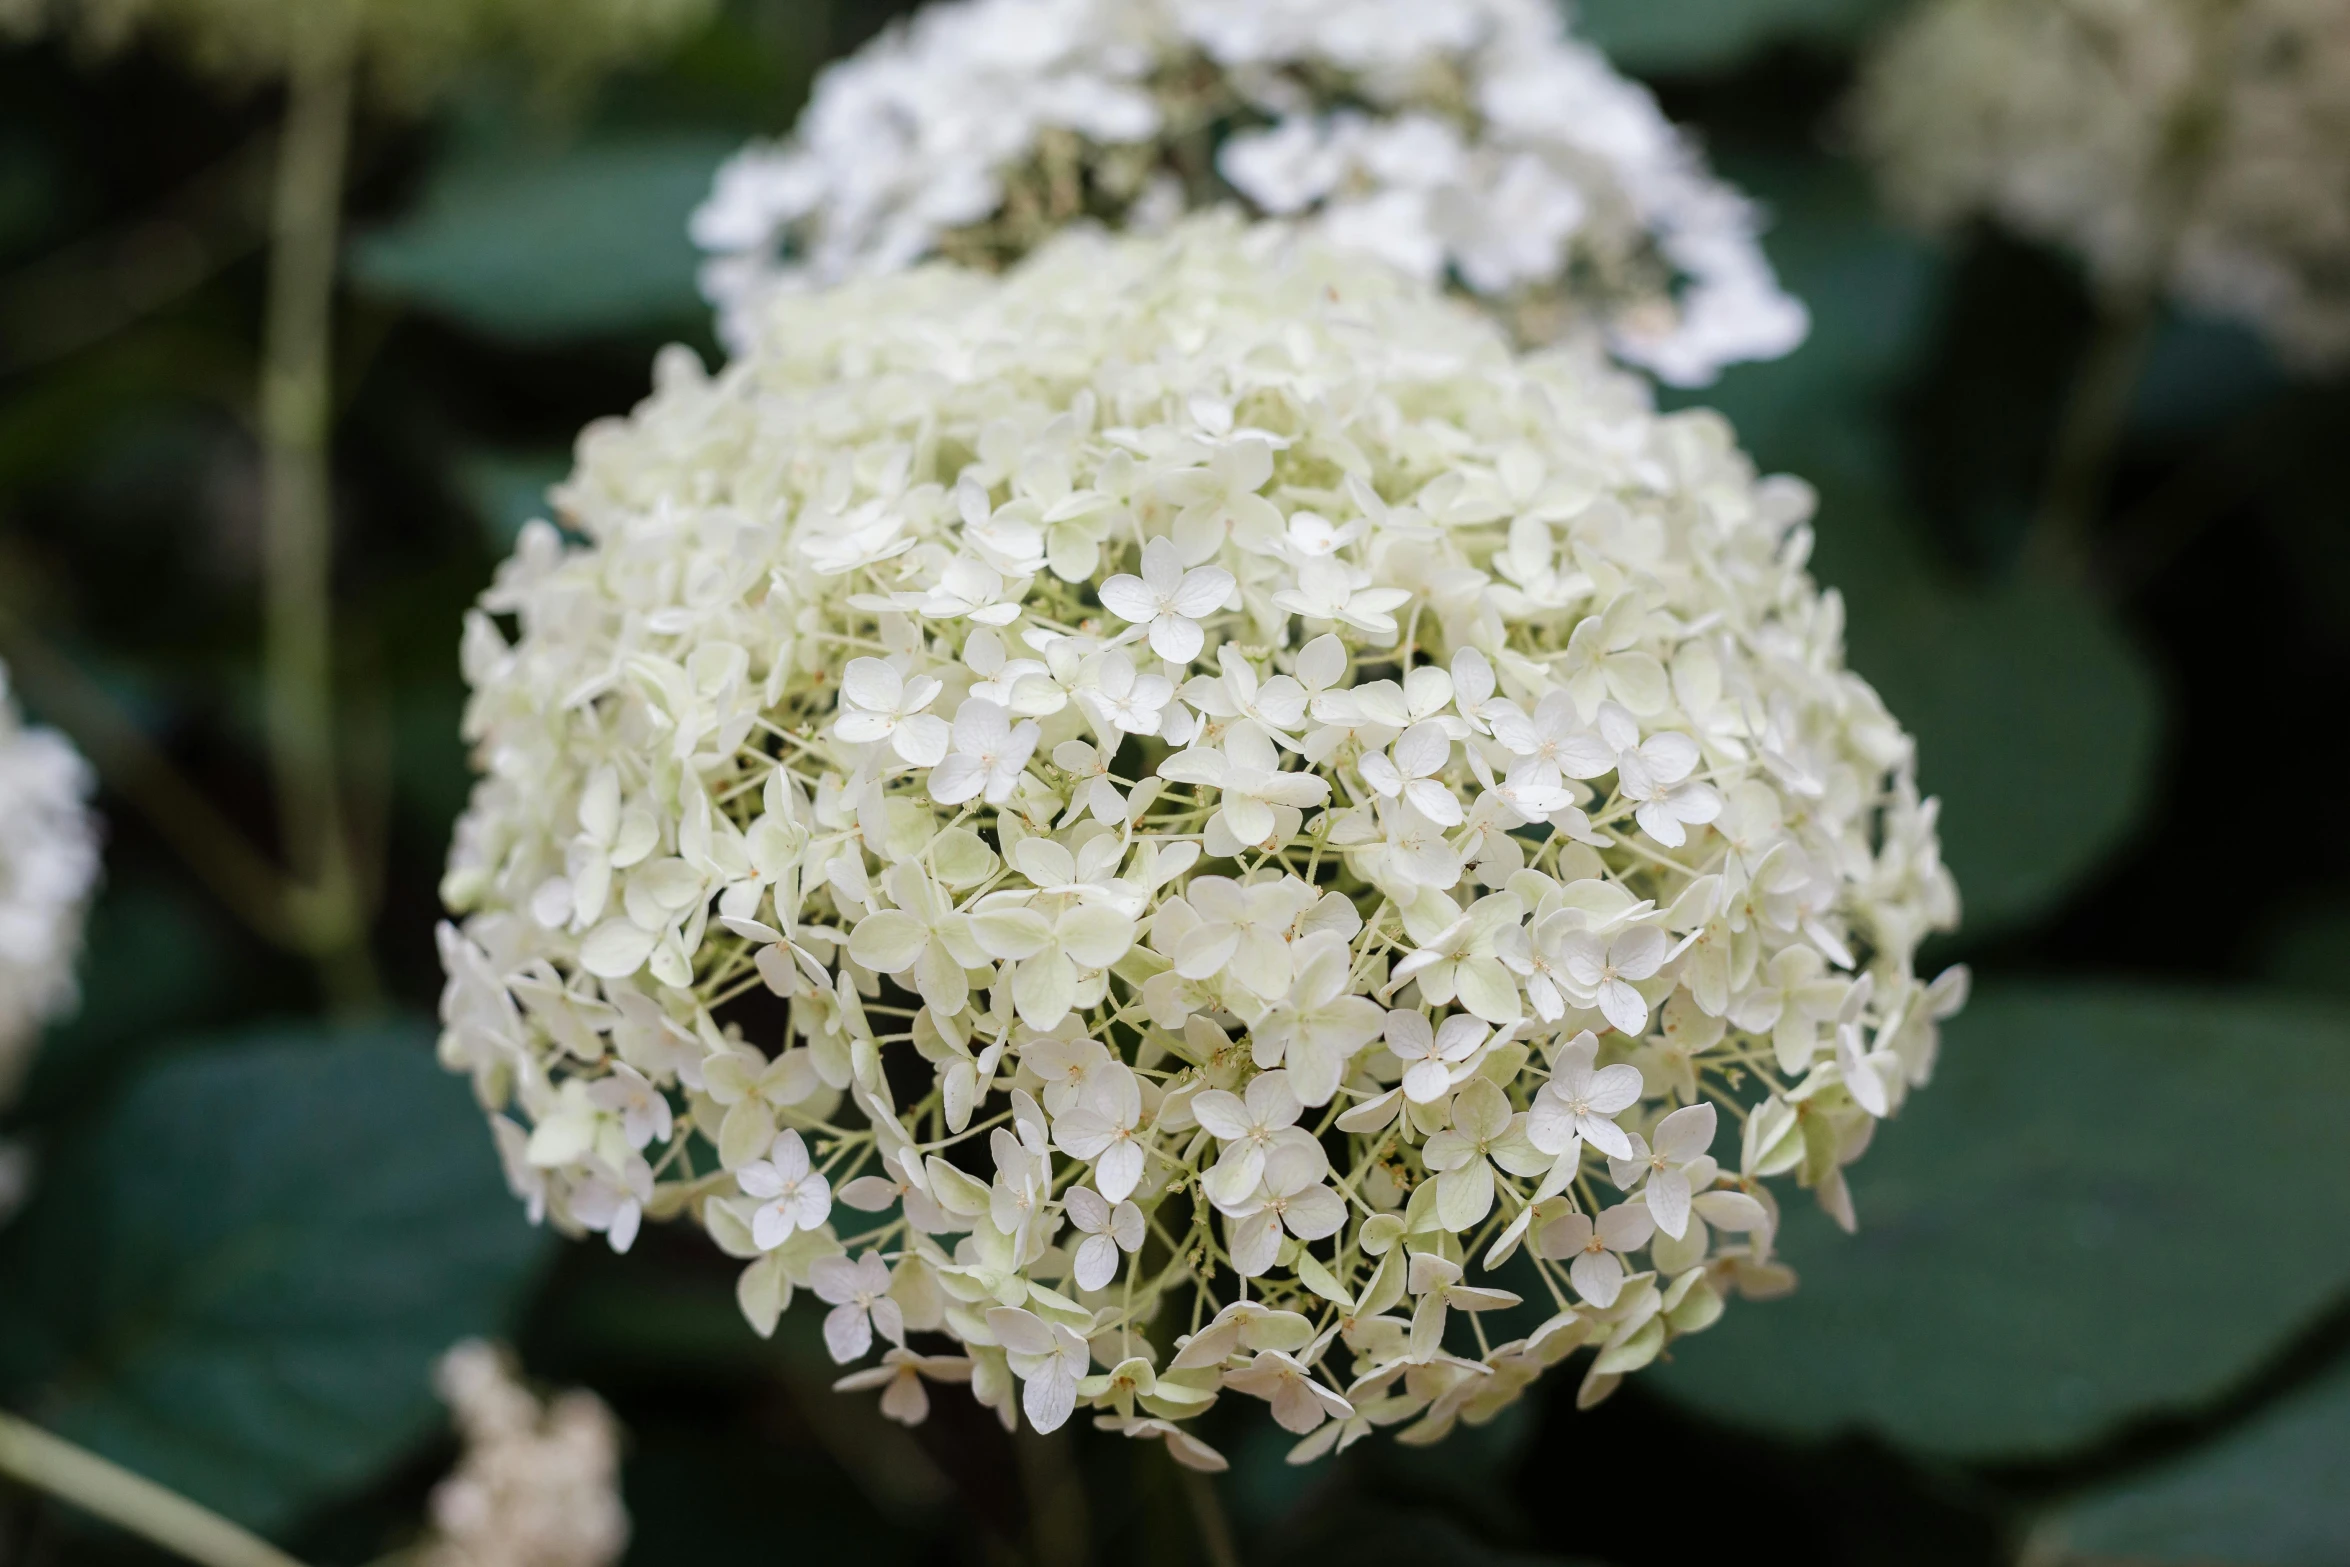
(48, 869)
(2195, 147)
(538, 1484)
(1470, 140)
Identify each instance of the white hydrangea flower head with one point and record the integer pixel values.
(48, 869)
(1472, 140)
(1142, 825)
(412, 47)
(538, 1484)
(2175, 145)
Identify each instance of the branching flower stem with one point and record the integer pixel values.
(1207, 1510)
(107, 1490)
(296, 400)
(2081, 468)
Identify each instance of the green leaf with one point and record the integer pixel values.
(2311, 950)
(2274, 1493)
(156, 958)
(2110, 1201)
(235, 1282)
(2038, 724)
(538, 248)
(1694, 37)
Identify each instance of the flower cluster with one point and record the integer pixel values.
(1163, 816)
(48, 866)
(412, 46)
(1470, 140)
(539, 1483)
(2183, 145)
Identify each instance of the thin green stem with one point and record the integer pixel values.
(297, 393)
(107, 1490)
(2095, 414)
(1207, 1510)
(1058, 1529)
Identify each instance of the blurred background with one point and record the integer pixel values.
(2099, 1307)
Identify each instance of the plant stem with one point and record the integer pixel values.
(109, 1491)
(1057, 1526)
(297, 392)
(1215, 1531)
(2094, 415)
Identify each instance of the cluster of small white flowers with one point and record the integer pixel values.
(48, 867)
(1472, 140)
(2198, 146)
(1260, 802)
(539, 1483)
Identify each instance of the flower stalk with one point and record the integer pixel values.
(1215, 1530)
(297, 394)
(106, 1490)
(2080, 471)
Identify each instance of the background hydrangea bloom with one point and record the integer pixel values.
(2198, 149)
(1470, 140)
(539, 1482)
(1504, 796)
(48, 869)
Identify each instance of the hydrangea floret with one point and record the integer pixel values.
(1470, 140)
(1184, 821)
(2199, 148)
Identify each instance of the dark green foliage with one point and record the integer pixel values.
(237, 1274)
(2053, 1240)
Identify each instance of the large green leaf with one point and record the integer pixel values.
(156, 959)
(2110, 1201)
(2310, 950)
(537, 248)
(236, 1281)
(1688, 37)
(2037, 722)
(2274, 1494)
